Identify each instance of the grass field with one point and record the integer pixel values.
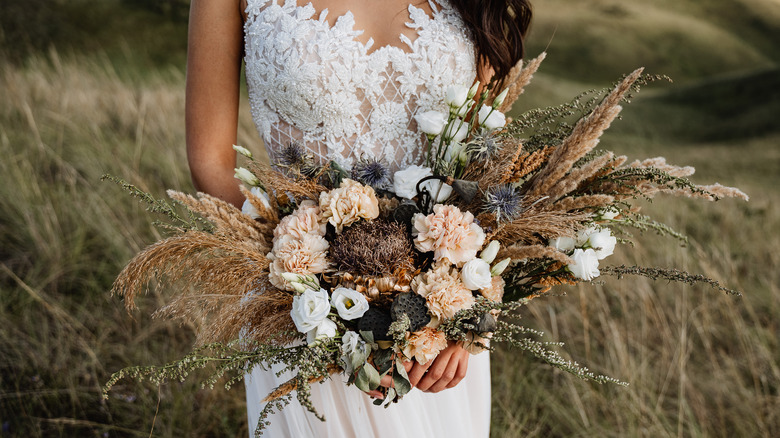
(698, 363)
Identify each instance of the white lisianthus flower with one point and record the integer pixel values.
(603, 242)
(475, 274)
(584, 235)
(350, 303)
(405, 183)
(456, 96)
(457, 131)
(586, 264)
(490, 252)
(431, 122)
(246, 176)
(491, 118)
(249, 209)
(309, 309)
(326, 330)
(453, 151)
(564, 244)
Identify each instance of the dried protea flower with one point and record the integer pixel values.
(504, 202)
(372, 172)
(372, 248)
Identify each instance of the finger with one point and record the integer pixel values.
(447, 375)
(375, 394)
(386, 381)
(463, 366)
(436, 371)
(417, 372)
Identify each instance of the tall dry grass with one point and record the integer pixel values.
(698, 363)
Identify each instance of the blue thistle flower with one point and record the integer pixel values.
(504, 202)
(292, 155)
(372, 172)
(484, 148)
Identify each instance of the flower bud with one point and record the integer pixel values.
(293, 277)
(242, 150)
(247, 177)
(500, 267)
(500, 98)
(473, 90)
(489, 253)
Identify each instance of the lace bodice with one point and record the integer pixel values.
(316, 84)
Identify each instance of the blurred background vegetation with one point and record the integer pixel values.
(90, 87)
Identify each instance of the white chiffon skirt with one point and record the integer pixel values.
(462, 411)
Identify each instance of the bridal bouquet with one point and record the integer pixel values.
(355, 271)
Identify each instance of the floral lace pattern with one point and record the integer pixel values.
(316, 84)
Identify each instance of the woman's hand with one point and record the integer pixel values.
(444, 372)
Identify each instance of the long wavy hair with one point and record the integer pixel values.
(498, 28)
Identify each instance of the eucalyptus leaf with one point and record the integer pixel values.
(371, 376)
(401, 379)
(390, 396)
(368, 336)
(362, 381)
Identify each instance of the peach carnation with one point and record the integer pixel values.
(349, 203)
(304, 220)
(300, 256)
(425, 344)
(495, 292)
(449, 233)
(445, 294)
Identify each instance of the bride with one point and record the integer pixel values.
(344, 79)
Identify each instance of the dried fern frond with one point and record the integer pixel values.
(582, 140)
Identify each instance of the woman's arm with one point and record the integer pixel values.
(215, 44)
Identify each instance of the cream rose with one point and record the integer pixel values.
(425, 344)
(449, 233)
(348, 204)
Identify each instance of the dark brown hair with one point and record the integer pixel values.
(498, 28)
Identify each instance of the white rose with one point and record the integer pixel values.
(603, 242)
(584, 235)
(431, 122)
(456, 95)
(405, 183)
(475, 274)
(326, 330)
(457, 131)
(586, 264)
(350, 303)
(564, 244)
(309, 309)
(491, 118)
(250, 209)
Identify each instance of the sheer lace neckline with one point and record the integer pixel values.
(313, 82)
(346, 21)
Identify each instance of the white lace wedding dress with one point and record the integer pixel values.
(316, 84)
